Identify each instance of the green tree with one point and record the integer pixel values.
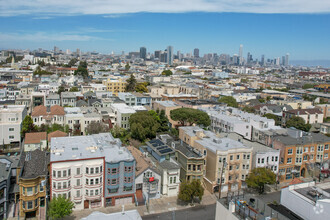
(60, 90)
(268, 98)
(262, 100)
(189, 191)
(143, 125)
(163, 121)
(190, 116)
(96, 127)
(131, 84)
(59, 207)
(127, 66)
(299, 123)
(275, 117)
(74, 89)
(72, 62)
(83, 64)
(141, 87)
(167, 73)
(28, 126)
(249, 109)
(81, 71)
(259, 177)
(229, 100)
(308, 86)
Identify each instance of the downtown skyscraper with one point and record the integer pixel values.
(196, 53)
(240, 54)
(143, 53)
(170, 55)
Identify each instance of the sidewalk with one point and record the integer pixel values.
(164, 204)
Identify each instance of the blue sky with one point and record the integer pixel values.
(262, 29)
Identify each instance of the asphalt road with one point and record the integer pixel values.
(194, 213)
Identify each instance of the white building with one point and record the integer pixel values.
(307, 200)
(170, 172)
(11, 118)
(122, 113)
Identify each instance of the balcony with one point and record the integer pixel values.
(94, 174)
(77, 198)
(93, 186)
(62, 189)
(97, 197)
(61, 178)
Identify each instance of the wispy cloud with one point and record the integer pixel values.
(42, 18)
(46, 37)
(114, 8)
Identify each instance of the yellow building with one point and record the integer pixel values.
(33, 170)
(236, 156)
(115, 85)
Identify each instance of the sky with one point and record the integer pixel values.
(274, 28)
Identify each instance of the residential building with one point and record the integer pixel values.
(223, 155)
(122, 114)
(191, 162)
(325, 128)
(159, 150)
(170, 175)
(128, 98)
(4, 187)
(123, 215)
(166, 106)
(32, 181)
(325, 108)
(93, 171)
(295, 104)
(53, 99)
(24, 100)
(33, 141)
(11, 117)
(38, 98)
(115, 85)
(310, 116)
(299, 151)
(68, 99)
(48, 115)
(54, 134)
(143, 171)
(142, 99)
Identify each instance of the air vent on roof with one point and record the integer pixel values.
(217, 141)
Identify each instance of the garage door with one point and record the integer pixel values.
(124, 201)
(172, 191)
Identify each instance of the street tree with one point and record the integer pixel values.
(60, 90)
(127, 66)
(190, 190)
(259, 177)
(190, 116)
(59, 207)
(275, 117)
(229, 100)
(81, 71)
(74, 89)
(299, 123)
(96, 127)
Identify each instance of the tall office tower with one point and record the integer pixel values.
(179, 55)
(55, 49)
(248, 58)
(277, 61)
(143, 53)
(196, 53)
(170, 55)
(235, 59)
(157, 54)
(78, 52)
(283, 61)
(286, 63)
(262, 60)
(163, 57)
(240, 54)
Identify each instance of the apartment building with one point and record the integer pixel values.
(310, 116)
(223, 155)
(128, 98)
(115, 85)
(34, 141)
(24, 100)
(32, 181)
(170, 175)
(93, 171)
(325, 108)
(122, 114)
(11, 117)
(299, 152)
(48, 115)
(68, 99)
(53, 99)
(295, 104)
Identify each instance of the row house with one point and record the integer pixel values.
(310, 116)
(92, 171)
(222, 155)
(32, 182)
(48, 115)
(68, 99)
(299, 152)
(53, 99)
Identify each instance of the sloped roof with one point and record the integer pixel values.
(57, 133)
(35, 138)
(41, 110)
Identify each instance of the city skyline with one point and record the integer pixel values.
(301, 31)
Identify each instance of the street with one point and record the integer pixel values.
(205, 212)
